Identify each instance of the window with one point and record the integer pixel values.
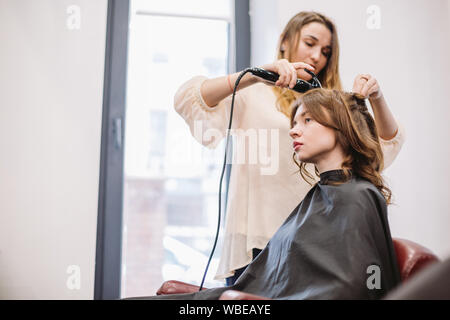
(171, 182)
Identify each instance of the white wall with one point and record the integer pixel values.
(51, 84)
(409, 55)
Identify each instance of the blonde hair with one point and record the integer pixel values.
(328, 77)
(356, 132)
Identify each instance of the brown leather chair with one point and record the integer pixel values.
(411, 258)
(174, 287)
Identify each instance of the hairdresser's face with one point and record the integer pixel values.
(314, 47)
(312, 142)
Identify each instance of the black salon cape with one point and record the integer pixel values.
(325, 248)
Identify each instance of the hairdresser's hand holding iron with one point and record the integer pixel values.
(289, 72)
(368, 86)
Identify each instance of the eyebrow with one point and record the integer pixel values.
(314, 38)
(304, 113)
(301, 115)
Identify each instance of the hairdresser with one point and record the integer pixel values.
(264, 192)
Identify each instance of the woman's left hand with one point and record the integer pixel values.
(367, 86)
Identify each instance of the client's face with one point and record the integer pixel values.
(312, 142)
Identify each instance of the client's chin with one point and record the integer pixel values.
(303, 158)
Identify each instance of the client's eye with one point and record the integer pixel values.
(308, 119)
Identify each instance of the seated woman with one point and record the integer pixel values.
(336, 244)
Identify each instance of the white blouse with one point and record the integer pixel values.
(265, 185)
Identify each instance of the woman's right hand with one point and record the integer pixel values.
(289, 72)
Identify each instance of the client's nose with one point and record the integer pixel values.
(294, 133)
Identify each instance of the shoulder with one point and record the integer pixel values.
(360, 196)
(357, 188)
(367, 191)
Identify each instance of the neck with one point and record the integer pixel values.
(331, 161)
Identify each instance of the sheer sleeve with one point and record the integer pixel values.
(392, 147)
(207, 125)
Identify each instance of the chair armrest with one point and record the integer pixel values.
(239, 295)
(412, 257)
(174, 287)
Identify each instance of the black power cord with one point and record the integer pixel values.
(223, 171)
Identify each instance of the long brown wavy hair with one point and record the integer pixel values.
(356, 132)
(328, 77)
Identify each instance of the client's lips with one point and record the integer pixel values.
(297, 145)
